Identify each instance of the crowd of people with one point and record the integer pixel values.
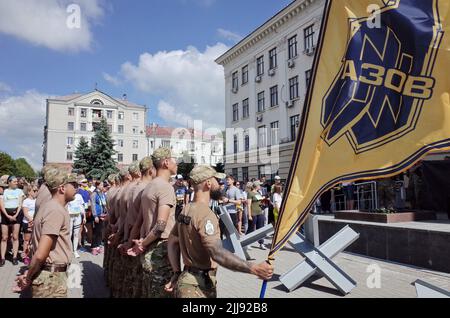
(144, 221)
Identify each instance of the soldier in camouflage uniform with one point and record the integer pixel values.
(197, 236)
(51, 243)
(158, 218)
(110, 196)
(132, 282)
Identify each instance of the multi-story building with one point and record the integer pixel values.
(266, 78)
(186, 144)
(74, 116)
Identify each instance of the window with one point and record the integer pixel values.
(120, 142)
(135, 130)
(234, 173)
(110, 129)
(69, 141)
(83, 113)
(245, 75)
(71, 111)
(245, 109)
(69, 156)
(203, 147)
(135, 116)
(235, 112)
(121, 115)
(109, 114)
(245, 174)
(120, 129)
(261, 103)
(192, 146)
(262, 136)
(97, 113)
(235, 80)
(247, 142)
(274, 96)
(273, 58)
(235, 144)
(274, 133)
(294, 126)
(292, 45)
(135, 144)
(293, 88)
(120, 157)
(260, 66)
(203, 160)
(135, 157)
(151, 144)
(165, 143)
(307, 78)
(70, 126)
(309, 37)
(83, 127)
(95, 126)
(96, 102)
(261, 171)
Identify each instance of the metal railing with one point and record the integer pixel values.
(366, 198)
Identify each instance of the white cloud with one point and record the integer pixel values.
(44, 23)
(22, 121)
(111, 79)
(188, 82)
(228, 35)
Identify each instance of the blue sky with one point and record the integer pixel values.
(138, 47)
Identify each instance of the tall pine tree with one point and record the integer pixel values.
(83, 158)
(102, 151)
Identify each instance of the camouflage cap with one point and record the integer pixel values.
(55, 178)
(123, 173)
(202, 173)
(134, 168)
(146, 164)
(161, 154)
(112, 178)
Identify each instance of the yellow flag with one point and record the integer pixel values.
(378, 101)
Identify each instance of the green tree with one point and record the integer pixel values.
(102, 151)
(24, 169)
(83, 158)
(7, 165)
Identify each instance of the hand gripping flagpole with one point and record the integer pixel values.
(262, 294)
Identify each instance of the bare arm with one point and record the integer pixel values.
(227, 259)
(136, 230)
(173, 249)
(25, 213)
(160, 226)
(40, 256)
(249, 209)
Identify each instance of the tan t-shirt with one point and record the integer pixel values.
(53, 219)
(43, 196)
(202, 231)
(110, 197)
(157, 193)
(134, 203)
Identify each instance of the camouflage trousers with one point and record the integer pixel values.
(132, 281)
(156, 271)
(118, 274)
(191, 285)
(112, 261)
(49, 285)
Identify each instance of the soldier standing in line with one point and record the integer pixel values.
(51, 243)
(158, 213)
(197, 235)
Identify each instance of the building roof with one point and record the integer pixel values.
(266, 29)
(68, 98)
(166, 132)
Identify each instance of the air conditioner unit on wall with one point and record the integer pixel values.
(234, 90)
(271, 72)
(291, 63)
(290, 104)
(258, 79)
(259, 118)
(310, 51)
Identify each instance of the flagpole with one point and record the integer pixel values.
(262, 294)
